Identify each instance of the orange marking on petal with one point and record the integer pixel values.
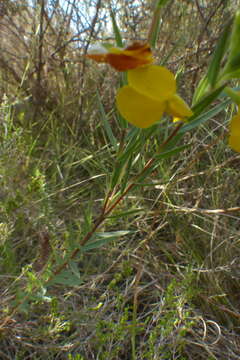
(140, 48)
(133, 56)
(122, 62)
(100, 58)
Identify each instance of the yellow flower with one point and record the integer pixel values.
(151, 89)
(138, 109)
(234, 129)
(150, 93)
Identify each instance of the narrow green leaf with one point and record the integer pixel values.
(173, 142)
(220, 50)
(172, 152)
(117, 34)
(95, 244)
(155, 30)
(104, 238)
(66, 277)
(113, 234)
(161, 156)
(136, 140)
(231, 75)
(127, 173)
(233, 94)
(155, 26)
(126, 213)
(211, 78)
(201, 89)
(233, 62)
(204, 117)
(122, 165)
(74, 267)
(134, 144)
(118, 173)
(199, 107)
(106, 124)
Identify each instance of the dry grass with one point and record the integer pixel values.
(165, 289)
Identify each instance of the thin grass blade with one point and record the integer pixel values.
(107, 127)
(117, 33)
(155, 25)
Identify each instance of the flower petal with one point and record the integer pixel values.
(98, 53)
(178, 108)
(153, 81)
(234, 128)
(131, 57)
(234, 142)
(138, 109)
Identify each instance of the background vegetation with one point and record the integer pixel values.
(156, 277)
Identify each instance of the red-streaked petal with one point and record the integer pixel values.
(131, 57)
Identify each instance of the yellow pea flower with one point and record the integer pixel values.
(151, 89)
(234, 129)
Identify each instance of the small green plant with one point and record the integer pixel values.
(75, 357)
